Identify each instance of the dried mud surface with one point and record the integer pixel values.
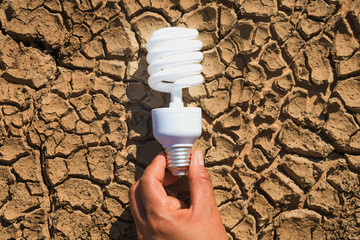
(281, 115)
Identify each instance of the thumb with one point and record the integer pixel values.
(201, 189)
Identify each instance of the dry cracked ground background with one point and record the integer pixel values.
(281, 115)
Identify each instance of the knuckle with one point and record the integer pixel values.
(144, 181)
(204, 176)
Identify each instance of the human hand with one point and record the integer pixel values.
(159, 216)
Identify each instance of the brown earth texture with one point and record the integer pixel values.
(281, 115)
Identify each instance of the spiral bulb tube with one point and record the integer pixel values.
(174, 63)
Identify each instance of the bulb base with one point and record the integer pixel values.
(178, 160)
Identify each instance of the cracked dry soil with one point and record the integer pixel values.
(281, 115)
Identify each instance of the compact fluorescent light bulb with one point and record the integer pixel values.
(174, 63)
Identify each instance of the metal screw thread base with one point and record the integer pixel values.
(178, 160)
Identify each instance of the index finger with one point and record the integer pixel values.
(152, 192)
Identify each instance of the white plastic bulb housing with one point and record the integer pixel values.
(174, 63)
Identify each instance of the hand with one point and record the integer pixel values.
(159, 216)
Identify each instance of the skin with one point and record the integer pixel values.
(159, 216)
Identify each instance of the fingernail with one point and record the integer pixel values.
(200, 158)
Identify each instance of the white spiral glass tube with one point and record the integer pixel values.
(174, 63)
